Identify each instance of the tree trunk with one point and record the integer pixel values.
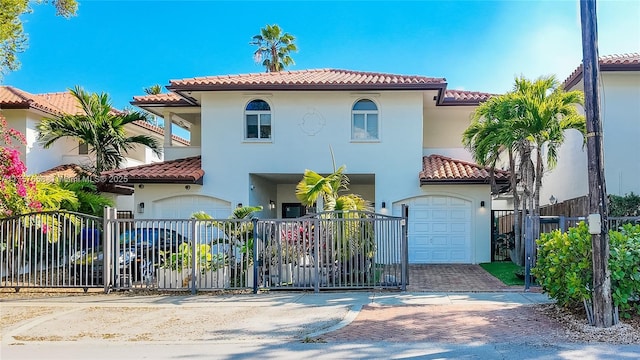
(517, 219)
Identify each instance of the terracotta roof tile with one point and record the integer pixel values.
(465, 97)
(617, 62)
(180, 171)
(438, 169)
(319, 79)
(58, 103)
(66, 171)
(163, 99)
(15, 98)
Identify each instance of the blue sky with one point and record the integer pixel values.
(120, 47)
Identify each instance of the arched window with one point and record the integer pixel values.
(257, 117)
(364, 120)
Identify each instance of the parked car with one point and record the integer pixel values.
(140, 251)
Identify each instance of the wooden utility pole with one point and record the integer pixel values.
(602, 303)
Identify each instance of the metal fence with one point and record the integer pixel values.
(333, 250)
(50, 249)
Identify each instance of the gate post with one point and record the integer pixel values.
(405, 247)
(255, 255)
(528, 250)
(195, 260)
(109, 215)
(316, 258)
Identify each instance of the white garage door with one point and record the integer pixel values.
(439, 230)
(181, 207)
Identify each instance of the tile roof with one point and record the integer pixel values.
(66, 171)
(58, 103)
(463, 97)
(316, 79)
(441, 169)
(617, 62)
(14, 98)
(166, 99)
(180, 171)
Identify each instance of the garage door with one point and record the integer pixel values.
(439, 230)
(181, 207)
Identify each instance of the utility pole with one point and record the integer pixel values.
(598, 222)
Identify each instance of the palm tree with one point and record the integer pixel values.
(527, 122)
(544, 111)
(314, 186)
(488, 137)
(273, 48)
(99, 126)
(153, 89)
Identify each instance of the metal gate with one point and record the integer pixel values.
(51, 249)
(332, 250)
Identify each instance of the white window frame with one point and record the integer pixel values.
(259, 114)
(366, 114)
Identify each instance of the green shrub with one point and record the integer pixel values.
(564, 266)
(624, 263)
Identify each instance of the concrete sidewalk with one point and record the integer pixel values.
(237, 318)
(273, 326)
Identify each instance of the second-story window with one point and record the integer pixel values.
(257, 117)
(364, 116)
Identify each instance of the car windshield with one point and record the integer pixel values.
(141, 236)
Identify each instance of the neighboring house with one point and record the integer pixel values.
(65, 157)
(253, 135)
(620, 117)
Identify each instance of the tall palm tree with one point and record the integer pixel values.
(488, 137)
(527, 123)
(273, 48)
(544, 112)
(99, 126)
(153, 89)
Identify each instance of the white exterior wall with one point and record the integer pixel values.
(296, 145)
(620, 109)
(442, 133)
(480, 217)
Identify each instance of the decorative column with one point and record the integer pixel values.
(167, 128)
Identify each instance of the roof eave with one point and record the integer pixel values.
(459, 181)
(309, 87)
(184, 181)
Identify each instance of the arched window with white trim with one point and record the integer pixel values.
(257, 116)
(364, 120)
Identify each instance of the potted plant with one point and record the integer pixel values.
(175, 272)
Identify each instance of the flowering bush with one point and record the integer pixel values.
(17, 192)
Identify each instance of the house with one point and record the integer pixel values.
(66, 157)
(253, 135)
(620, 117)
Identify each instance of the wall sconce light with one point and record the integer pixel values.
(141, 186)
(482, 204)
(553, 200)
(272, 205)
(141, 207)
(187, 187)
(384, 205)
(239, 205)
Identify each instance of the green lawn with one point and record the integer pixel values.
(504, 271)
